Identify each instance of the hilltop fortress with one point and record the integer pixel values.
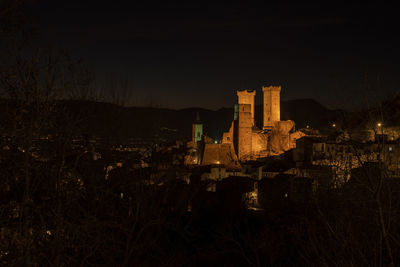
(245, 141)
(274, 138)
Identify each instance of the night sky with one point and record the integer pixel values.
(200, 53)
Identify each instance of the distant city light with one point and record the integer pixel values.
(333, 125)
(379, 124)
(216, 142)
(308, 126)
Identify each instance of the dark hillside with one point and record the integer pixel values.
(116, 122)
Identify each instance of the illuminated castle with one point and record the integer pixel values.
(244, 139)
(250, 142)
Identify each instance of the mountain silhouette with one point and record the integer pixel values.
(116, 122)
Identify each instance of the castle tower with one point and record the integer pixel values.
(243, 144)
(271, 106)
(247, 97)
(197, 130)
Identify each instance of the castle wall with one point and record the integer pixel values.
(227, 138)
(271, 106)
(247, 97)
(220, 154)
(259, 143)
(284, 127)
(280, 140)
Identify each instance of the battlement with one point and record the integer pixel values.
(245, 93)
(272, 88)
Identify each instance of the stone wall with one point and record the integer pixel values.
(227, 138)
(259, 143)
(220, 154)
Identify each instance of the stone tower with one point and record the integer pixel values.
(244, 127)
(247, 97)
(271, 106)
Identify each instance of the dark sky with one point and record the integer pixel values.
(199, 53)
